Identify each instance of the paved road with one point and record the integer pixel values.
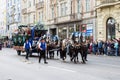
(14, 67)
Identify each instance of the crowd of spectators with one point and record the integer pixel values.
(109, 47)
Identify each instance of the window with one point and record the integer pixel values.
(11, 3)
(40, 0)
(28, 18)
(29, 4)
(52, 12)
(42, 15)
(87, 5)
(65, 7)
(8, 4)
(39, 16)
(19, 18)
(33, 18)
(33, 2)
(62, 10)
(14, 1)
(57, 11)
(71, 7)
(24, 19)
(79, 6)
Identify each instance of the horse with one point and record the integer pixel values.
(52, 45)
(63, 49)
(78, 47)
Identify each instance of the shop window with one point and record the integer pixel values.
(77, 27)
(62, 32)
(83, 28)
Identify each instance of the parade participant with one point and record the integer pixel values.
(42, 46)
(27, 47)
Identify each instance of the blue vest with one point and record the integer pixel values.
(27, 45)
(43, 46)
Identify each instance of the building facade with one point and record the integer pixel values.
(13, 15)
(61, 17)
(67, 16)
(108, 19)
(2, 17)
(28, 12)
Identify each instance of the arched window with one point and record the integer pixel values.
(110, 30)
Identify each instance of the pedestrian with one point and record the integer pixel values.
(105, 47)
(116, 46)
(90, 48)
(42, 46)
(109, 47)
(119, 46)
(100, 45)
(94, 46)
(27, 47)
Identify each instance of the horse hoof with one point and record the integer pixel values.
(71, 60)
(75, 62)
(83, 62)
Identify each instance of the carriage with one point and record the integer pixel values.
(32, 33)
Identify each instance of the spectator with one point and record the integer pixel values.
(116, 46)
(105, 47)
(100, 45)
(94, 47)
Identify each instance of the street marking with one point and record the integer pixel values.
(107, 65)
(29, 62)
(63, 69)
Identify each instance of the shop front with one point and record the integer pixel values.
(65, 30)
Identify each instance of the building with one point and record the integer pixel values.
(2, 17)
(108, 19)
(13, 15)
(41, 11)
(28, 12)
(67, 16)
(61, 17)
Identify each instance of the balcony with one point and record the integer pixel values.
(106, 3)
(24, 11)
(40, 5)
(75, 16)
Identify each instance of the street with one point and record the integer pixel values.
(14, 67)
